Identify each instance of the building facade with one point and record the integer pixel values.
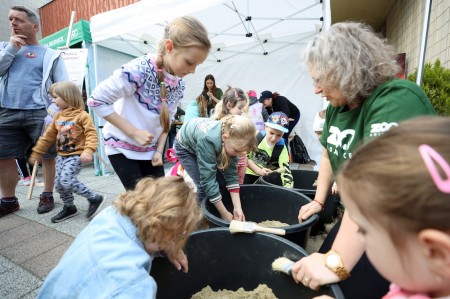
(404, 25)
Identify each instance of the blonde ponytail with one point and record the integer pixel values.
(164, 118)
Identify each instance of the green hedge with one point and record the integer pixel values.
(436, 84)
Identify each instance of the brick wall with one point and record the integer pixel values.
(56, 14)
(404, 30)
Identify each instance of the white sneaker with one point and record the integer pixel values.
(25, 181)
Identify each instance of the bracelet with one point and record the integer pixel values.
(158, 151)
(321, 204)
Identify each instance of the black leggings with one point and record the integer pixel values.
(364, 281)
(131, 171)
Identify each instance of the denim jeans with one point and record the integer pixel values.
(189, 163)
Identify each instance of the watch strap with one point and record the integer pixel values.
(340, 270)
(341, 273)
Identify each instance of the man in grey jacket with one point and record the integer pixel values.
(27, 70)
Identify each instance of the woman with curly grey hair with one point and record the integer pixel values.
(355, 70)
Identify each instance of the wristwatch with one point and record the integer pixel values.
(333, 261)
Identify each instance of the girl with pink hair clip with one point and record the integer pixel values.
(397, 190)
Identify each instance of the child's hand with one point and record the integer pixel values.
(142, 137)
(308, 210)
(226, 216)
(264, 171)
(238, 214)
(179, 260)
(85, 157)
(157, 159)
(32, 160)
(334, 189)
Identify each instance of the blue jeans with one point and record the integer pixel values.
(189, 163)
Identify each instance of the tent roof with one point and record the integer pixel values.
(80, 32)
(253, 27)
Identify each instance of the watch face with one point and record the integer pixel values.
(333, 260)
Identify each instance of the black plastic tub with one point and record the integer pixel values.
(261, 203)
(225, 261)
(303, 183)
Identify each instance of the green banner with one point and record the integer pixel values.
(80, 32)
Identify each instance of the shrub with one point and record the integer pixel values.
(436, 84)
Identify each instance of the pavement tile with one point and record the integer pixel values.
(33, 294)
(17, 283)
(34, 246)
(11, 221)
(20, 233)
(5, 265)
(42, 264)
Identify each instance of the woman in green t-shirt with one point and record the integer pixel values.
(355, 70)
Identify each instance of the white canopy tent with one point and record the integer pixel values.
(257, 44)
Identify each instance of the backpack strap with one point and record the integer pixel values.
(276, 154)
(276, 150)
(260, 137)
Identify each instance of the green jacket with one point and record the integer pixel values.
(203, 138)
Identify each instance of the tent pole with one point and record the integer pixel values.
(69, 32)
(97, 163)
(326, 10)
(423, 43)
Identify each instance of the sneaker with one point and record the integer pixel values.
(94, 206)
(8, 208)
(66, 213)
(25, 181)
(46, 204)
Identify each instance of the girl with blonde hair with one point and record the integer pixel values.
(113, 255)
(209, 149)
(234, 102)
(146, 93)
(76, 140)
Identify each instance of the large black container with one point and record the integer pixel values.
(303, 183)
(225, 261)
(261, 203)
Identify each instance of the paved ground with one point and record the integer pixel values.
(31, 245)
